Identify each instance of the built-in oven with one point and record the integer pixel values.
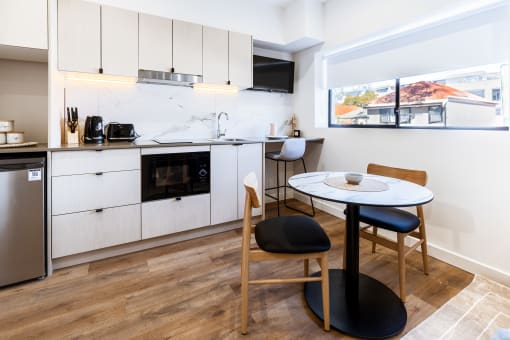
(169, 175)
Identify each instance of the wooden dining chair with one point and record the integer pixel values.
(281, 238)
(397, 220)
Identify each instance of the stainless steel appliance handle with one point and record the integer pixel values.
(25, 166)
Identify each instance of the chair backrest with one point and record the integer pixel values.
(252, 201)
(293, 149)
(416, 176)
(251, 184)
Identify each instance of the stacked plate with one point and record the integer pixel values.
(8, 135)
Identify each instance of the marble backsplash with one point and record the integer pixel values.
(174, 112)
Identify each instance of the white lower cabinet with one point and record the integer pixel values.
(229, 165)
(92, 209)
(173, 215)
(90, 162)
(90, 230)
(223, 183)
(95, 200)
(249, 159)
(95, 191)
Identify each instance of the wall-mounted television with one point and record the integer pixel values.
(274, 75)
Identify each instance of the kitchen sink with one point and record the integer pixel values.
(228, 140)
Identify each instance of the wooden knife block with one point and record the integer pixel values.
(72, 138)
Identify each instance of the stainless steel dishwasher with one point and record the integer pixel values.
(22, 220)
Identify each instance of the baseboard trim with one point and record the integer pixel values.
(445, 255)
(101, 254)
(468, 264)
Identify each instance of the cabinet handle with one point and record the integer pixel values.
(101, 70)
(99, 210)
(178, 198)
(99, 174)
(98, 150)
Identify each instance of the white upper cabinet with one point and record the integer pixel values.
(215, 55)
(240, 56)
(97, 39)
(187, 48)
(119, 43)
(79, 36)
(93, 38)
(155, 45)
(24, 23)
(227, 58)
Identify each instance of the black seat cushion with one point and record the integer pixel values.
(393, 219)
(291, 234)
(274, 155)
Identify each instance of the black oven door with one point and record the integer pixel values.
(175, 175)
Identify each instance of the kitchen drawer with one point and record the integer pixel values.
(89, 192)
(88, 162)
(169, 216)
(91, 230)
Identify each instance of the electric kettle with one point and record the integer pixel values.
(93, 131)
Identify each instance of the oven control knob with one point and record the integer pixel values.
(202, 173)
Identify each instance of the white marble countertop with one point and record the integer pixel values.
(42, 147)
(399, 194)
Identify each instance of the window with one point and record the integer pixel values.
(496, 94)
(467, 99)
(367, 104)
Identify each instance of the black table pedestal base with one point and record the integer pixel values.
(377, 313)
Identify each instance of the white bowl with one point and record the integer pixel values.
(353, 178)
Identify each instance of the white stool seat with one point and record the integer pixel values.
(293, 149)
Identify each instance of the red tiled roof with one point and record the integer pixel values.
(341, 109)
(423, 91)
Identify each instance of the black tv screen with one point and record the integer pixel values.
(275, 75)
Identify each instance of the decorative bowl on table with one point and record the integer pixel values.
(353, 178)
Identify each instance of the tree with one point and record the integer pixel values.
(360, 100)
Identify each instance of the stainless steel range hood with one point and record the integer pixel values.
(168, 78)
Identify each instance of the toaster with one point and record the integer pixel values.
(117, 132)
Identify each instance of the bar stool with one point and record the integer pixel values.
(293, 149)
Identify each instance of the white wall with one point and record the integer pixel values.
(346, 21)
(303, 18)
(467, 222)
(24, 97)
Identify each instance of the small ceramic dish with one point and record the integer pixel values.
(15, 137)
(353, 178)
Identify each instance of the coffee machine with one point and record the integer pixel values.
(93, 132)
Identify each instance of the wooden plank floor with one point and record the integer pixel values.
(190, 290)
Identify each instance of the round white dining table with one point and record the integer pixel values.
(360, 305)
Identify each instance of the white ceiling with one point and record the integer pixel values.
(279, 3)
(282, 3)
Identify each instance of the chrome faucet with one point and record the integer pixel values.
(218, 131)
